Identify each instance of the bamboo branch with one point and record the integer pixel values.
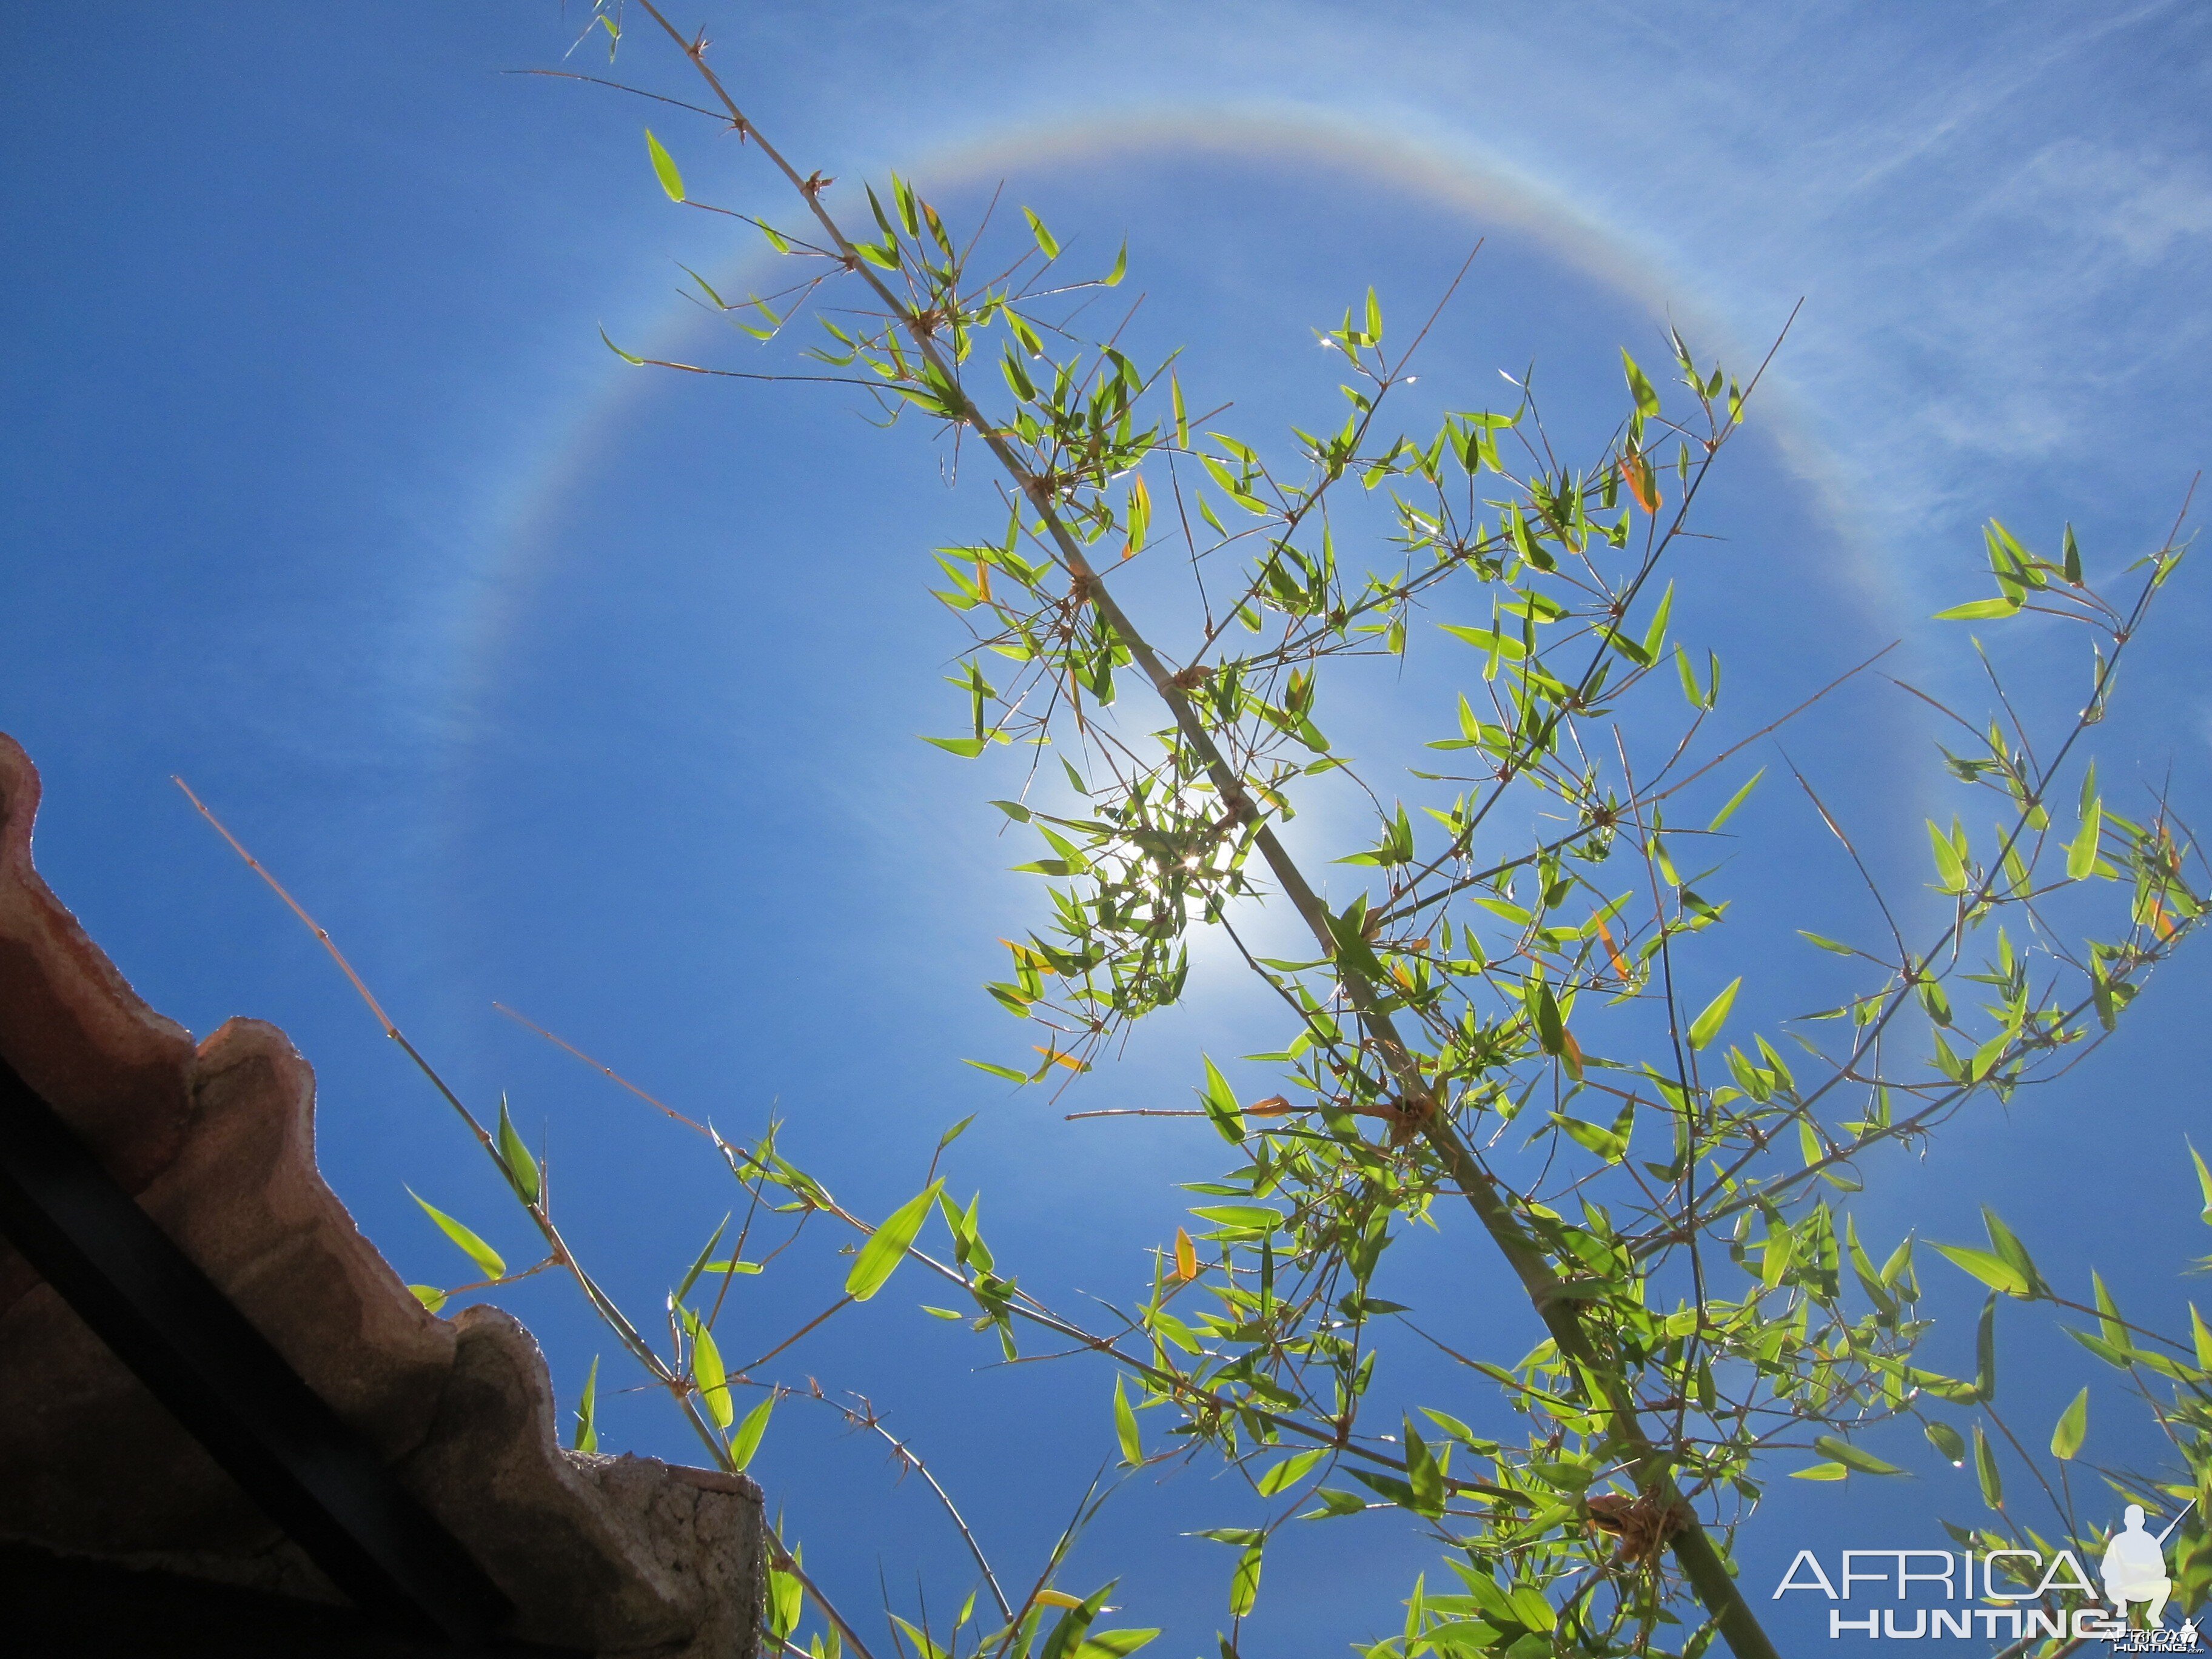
(1700, 1560)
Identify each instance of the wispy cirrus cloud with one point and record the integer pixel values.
(1999, 216)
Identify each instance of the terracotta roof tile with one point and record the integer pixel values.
(217, 1141)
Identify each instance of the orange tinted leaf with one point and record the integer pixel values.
(1612, 950)
(1635, 472)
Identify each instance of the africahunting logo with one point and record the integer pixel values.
(2133, 1576)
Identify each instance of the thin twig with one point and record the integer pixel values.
(611, 1075)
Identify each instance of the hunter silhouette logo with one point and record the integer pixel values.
(2135, 1568)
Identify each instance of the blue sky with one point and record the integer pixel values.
(542, 680)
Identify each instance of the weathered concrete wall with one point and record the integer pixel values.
(625, 1555)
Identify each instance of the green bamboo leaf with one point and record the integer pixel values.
(1423, 1474)
(1822, 1472)
(1250, 1217)
(2203, 1334)
(2011, 1249)
(1978, 610)
(1387, 1486)
(587, 1411)
(1698, 698)
(1985, 1468)
(1244, 1583)
(1985, 1353)
(1458, 1430)
(1639, 386)
(704, 1262)
(2082, 854)
(1775, 1261)
(1628, 648)
(1499, 644)
(1044, 238)
(923, 1647)
(1851, 1457)
(707, 1372)
(1125, 1428)
(1655, 637)
(707, 287)
(1993, 1271)
(1592, 1138)
(521, 1168)
(1987, 1056)
(2203, 1181)
(1863, 1265)
(887, 1246)
(627, 357)
(1113, 1643)
(1066, 1641)
(2072, 1425)
(1947, 1441)
(493, 1264)
(1944, 1387)
(1492, 1602)
(1735, 801)
(664, 168)
(1544, 1007)
(1292, 1470)
(1950, 868)
(1139, 515)
(2109, 1321)
(2013, 565)
(1531, 1610)
(787, 1597)
(1221, 1103)
(1334, 1502)
(746, 1441)
(1707, 1025)
(429, 1296)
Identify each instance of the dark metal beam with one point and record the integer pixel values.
(225, 1382)
(68, 1606)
